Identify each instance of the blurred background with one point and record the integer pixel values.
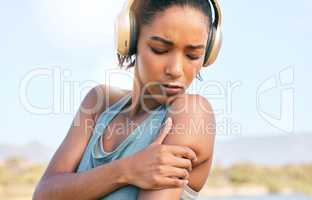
(52, 52)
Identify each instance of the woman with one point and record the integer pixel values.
(172, 41)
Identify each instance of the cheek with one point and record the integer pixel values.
(151, 67)
(191, 71)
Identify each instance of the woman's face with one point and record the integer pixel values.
(171, 50)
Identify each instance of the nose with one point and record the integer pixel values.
(174, 68)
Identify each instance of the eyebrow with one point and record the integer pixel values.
(167, 42)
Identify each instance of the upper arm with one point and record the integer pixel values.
(194, 127)
(69, 153)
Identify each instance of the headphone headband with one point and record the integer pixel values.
(126, 32)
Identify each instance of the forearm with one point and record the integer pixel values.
(91, 184)
(168, 193)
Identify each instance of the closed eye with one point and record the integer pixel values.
(193, 57)
(161, 51)
(158, 51)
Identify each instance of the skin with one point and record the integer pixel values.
(180, 63)
(177, 61)
(181, 151)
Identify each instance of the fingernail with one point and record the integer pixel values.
(186, 182)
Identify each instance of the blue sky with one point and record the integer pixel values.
(262, 39)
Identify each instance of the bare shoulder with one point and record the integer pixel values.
(69, 153)
(193, 125)
(100, 97)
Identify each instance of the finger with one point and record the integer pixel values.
(176, 172)
(182, 151)
(173, 182)
(185, 163)
(164, 131)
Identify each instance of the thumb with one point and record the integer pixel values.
(164, 131)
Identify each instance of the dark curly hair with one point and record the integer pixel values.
(145, 11)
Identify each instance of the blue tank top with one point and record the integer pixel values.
(143, 135)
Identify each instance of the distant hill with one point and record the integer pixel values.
(267, 150)
(32, 151)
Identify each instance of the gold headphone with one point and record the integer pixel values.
(126, 32)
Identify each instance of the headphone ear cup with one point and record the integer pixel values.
(208, 46)
(213, 47)
(125, 30)
(215, 40)
(133, 35)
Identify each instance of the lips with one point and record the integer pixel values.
(172, 89)
(172, 86)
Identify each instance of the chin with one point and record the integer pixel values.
(160, 96)
(165, 99)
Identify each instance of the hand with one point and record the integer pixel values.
(161, 166)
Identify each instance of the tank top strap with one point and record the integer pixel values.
(109, 114)
(101, 123)
(141, 135)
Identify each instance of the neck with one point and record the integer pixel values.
(139, 104)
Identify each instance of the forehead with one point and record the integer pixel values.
(179, 24)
